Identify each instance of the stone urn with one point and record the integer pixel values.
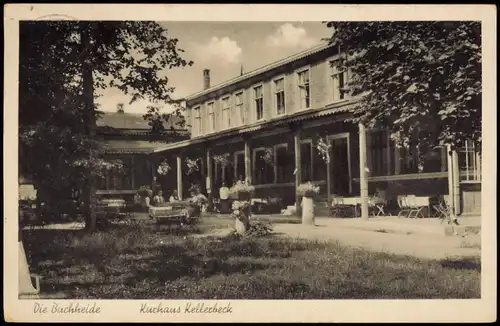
(241, 213)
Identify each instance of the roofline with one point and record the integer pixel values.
(263, 69)
(334, 108)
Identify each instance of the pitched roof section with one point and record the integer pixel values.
(134, 121)
(130, 146)
(261, 70)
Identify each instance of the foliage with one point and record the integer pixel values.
(145, 191)
(192, 165)
(240, 209)
(56, 111)
(323, 148)
(268, 156)
(223, 159)
(307, 189)
(164, 168)
(241, 187)
(259, 229)
(199, 200)
(138, 263)
(421, 80)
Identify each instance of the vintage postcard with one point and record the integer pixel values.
(249, 163)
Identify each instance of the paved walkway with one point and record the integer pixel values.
(375, 238)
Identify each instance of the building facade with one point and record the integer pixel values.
(127, 137)
(268, 123)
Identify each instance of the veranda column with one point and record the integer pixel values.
(248, 162)
(456, 182)
(179, 176)
(363, 181)
(209, 179)
(298, 169)
(451, 188)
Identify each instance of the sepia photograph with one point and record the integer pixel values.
(213, 160)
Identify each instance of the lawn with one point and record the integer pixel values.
(142, 262)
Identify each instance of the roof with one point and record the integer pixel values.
(336, 108)
(263, 69)
(133, 121)
(130, 146)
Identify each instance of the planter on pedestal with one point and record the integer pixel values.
(308, 210)
(241, 212)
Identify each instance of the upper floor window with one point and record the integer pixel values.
(259, 102)
(226, 113)
(279, 93)
(304, 89)
(197, 121)
(239, 107)
(211, 117)
(339, 79)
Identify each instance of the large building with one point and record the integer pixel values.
(127, 137)
(268, 122)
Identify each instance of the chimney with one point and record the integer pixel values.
(119, 108)
(206, 79)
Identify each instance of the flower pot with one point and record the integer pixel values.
(307, 210)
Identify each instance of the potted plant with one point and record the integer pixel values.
(241, 206)
(307, 191)
(163, 168)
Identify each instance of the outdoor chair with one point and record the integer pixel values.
(404, 209)
(439, 208)
(378, 203)
(415, 207)
(445, 208)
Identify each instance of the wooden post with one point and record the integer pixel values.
(179, 176)
(456, 182)
(397, 160)
(363, 181)
(248, 162)
(209, 180)
(298, 168)
(451, 188)
(443, 151)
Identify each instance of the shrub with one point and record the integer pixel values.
(259, 229)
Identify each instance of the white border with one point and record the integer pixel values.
(483, 309)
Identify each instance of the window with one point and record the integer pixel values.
(279, 93)
(239, 166)
(226, 113)
(306, 154)
(239, 107)
(258, 100)
(283, 164)
(304, 89)
(197, 121)
(469, 161)
(379, 150)
(118, 179)
(211, 117)
(263, 171)
(339, 79)
(411, 160)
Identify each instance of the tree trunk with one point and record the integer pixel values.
(88, 95)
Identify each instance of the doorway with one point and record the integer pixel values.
(340, 165)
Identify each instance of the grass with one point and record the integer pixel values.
(144, 262)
